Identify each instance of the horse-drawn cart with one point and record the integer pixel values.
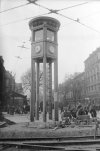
(83, 119)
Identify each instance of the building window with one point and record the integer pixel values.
(95, 87)
(95, 77)
(7, 82)
(98, 55)
(91, 88)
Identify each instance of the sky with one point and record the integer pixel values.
(75, 41)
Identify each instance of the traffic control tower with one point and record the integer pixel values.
(44, 49)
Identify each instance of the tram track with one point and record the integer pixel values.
(53, 144)
(91, 137)
(65, 147)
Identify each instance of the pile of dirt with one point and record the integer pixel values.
(1, 117)
(5, 122)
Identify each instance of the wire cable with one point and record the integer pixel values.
(40, 5)
(72, 6)
(51, 10)
(14, 8)
(78, 21)
(16, 21)
(66, 17)
(21, 20)
(89, 27)
(56, 12)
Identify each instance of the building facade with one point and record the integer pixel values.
(2, 83)
(76, 91)
(79, 85)
(92, 77)
(9, 82)
(9, 85)
(11, 93)
(19, 88)
(72, 90)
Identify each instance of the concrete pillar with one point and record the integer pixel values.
(32, 104)
(56, 90)
(37, 91)
(50, 90)
(44, 88)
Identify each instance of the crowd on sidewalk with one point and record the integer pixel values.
(77, 114)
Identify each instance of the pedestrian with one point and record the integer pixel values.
(86, 110)
(66, 117)
(73, 113)
(80, 111)
(93, 112)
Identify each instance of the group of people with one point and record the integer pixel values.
(67, 115)
(18, 110)
(86, 110)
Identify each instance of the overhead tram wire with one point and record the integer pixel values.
(56, 12)
(22, 6)
(21, 20)
(42, 6)
(16, 21)
(82, 17)
(66, 17)
(89, 27)
(39, 5)
(14, 8)
(78, 21)
(51, 10)
(73, 6)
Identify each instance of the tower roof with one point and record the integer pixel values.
(44, 19)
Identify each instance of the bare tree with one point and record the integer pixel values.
(72, 88)
(26, 80)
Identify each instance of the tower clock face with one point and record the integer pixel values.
(51, 49)
(37, 49)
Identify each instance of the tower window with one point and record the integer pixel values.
(39, 35)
